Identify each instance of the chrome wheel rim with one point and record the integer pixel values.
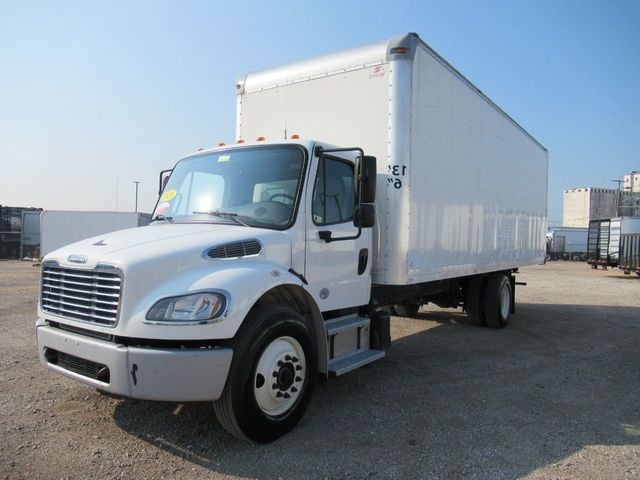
(279, 376)
(505, 301)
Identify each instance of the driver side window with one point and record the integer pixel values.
(334, 195)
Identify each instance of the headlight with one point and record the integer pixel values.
(198, 307)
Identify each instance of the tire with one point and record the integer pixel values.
(473, 301)
(271, 378)
(406, 309)
(498, 296)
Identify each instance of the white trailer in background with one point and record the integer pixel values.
(267, 262)
(567, 243)
(62, 227)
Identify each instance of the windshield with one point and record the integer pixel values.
(253, 186)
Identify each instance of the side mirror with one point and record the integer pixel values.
(164, 178)
(365, 216)
(367, 171)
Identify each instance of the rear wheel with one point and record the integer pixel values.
(271, 378)
(497, 301)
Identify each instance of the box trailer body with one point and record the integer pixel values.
(605, 237)
(567, 243)
(461, 186)
(629, 261)
(269, 262)
(62, 227)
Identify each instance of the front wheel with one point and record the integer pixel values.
(271, 378)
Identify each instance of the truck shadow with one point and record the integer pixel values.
(452, 400)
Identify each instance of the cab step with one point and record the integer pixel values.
(342, 365)
(343, 324)
(348, 344)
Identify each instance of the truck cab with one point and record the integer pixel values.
(253, 276)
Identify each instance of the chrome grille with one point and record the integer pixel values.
(244, 248)
(86, 295)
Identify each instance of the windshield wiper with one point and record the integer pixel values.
(229, 215)
(162, 217)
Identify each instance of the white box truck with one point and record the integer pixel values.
(269, 261)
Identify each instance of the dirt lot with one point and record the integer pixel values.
(555, 395)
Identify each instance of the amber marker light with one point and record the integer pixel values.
(295, 136)
(221, 144)
(260, 139)
(399, 50)
(240, 140)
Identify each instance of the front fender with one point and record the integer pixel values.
(245, 281)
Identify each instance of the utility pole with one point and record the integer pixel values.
(137, 183)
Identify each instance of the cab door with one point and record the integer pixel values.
(337, 271)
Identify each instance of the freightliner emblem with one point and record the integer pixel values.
(77, 259)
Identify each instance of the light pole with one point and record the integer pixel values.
(137, 182)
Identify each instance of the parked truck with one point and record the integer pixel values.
(567, 243)
(604, 238)
(379, 177)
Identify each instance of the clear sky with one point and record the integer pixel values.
(97, 94)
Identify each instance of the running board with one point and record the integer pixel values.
(342, 365)
(348, 344)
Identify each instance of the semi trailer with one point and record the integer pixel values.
(604, 239)
(363, 180)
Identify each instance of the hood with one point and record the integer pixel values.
(184, 243)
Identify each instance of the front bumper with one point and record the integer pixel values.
(169, 374)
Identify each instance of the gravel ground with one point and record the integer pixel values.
(554, 395)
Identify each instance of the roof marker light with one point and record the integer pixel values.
(240, 140)
(221, 144)
(295, 136)
(260, 139)
(200, 149)
(399, 50)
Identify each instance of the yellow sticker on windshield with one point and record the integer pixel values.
(224, 158)
(168, 195)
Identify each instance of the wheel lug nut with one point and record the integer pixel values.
(287, 358)
(295, 359)
(298, 368)
(274, 386)
(298, 379)
(294, 389)
(274, 374)
(279, 394)
(286, 395)
(280, 363)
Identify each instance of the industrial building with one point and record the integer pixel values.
(580, 205)
(632, 182)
